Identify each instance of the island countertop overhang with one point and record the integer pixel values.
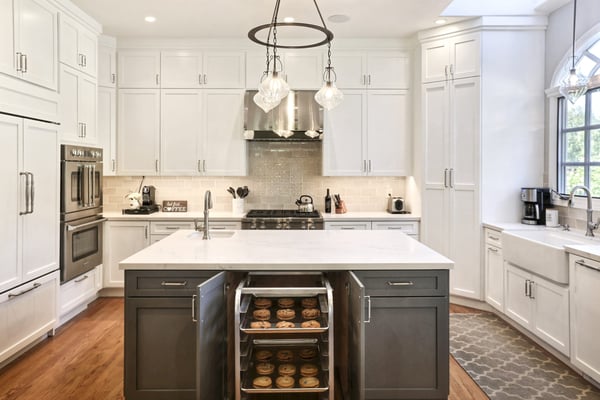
(267, 250)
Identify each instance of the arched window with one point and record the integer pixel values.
(579, 125)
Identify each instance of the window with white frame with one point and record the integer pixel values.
(579, 130)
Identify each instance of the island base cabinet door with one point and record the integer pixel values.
(211, 324)
(404, 346)
(160, 353)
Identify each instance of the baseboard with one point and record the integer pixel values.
(111, 292)
(477, 304)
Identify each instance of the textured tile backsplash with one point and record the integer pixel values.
(278, 173)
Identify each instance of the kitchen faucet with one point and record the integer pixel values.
(590, 226)
(208, 204)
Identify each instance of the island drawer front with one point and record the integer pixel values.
(493, 237)
(164, 283)
(168, 227)
(415, 283)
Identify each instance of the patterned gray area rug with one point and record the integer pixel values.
(507, 366)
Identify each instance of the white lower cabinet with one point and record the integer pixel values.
(494, 270)
(584, 278)
(121, 240)
(27, 312)
(78, 292)
(348, 225)
(411, 228)
(538, 305)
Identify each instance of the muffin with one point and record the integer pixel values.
(261, 315)
(286, 314)
(285, 355)
(265, 368)
(309, 302)
(260, 324)
(287, 369)
(262, 302)
(285, 324)
(285, 302)
(310, 324)
(262, 382)
(311, 313)
(284, 382)
(309, 382)
(309, 370)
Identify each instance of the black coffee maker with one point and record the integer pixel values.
(148, 193)
(535, 202)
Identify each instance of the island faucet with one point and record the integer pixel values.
(590, 226)
(208, 204)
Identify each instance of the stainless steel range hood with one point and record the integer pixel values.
(297, 118)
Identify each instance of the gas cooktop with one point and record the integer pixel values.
(282, 214)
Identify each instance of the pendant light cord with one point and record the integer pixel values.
(574, 20)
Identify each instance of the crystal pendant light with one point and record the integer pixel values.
(575, 84)
(329, 96)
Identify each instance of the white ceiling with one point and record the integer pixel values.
(234, 18)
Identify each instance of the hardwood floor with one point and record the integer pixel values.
(84, 361)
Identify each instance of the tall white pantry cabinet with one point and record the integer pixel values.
(482, 127)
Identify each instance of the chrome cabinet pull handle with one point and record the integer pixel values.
(493, 237)
(113, 78)
(24, 63)
(81, 279)
(446, 71)
(76, 227)
(199, 165)
(583, 264)
(446, 177)
(156, 165)
(527, 287)
(493, 249)
(370, 167)
(203, 165)
(205, 79)
(157, 81)
(452, 70)
(173, 284)
(35, 286)
(32, 192)
(368, 320)
(27, 199)
(194, 297)
(145, 232)
(452, 177)
(405, 283)
(172, 228)
(114, 165)
(531, 283)
(347, 228)
(18, 62)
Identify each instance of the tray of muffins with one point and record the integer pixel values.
(285, 368)
(286, 315)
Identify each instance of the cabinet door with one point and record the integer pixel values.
(121, 240)
(406, 328)
(38, 31)
(303, 70)
(551, 310)
(7, 38)
(160, 348)
(389, 146)
(107, 128)
(584, 282)
(348, 225)
(224, 69)
(86, 107)
(70, 130)
(494, 277)
(256, 64)
(139, 69)
(350, 68)
(388, 70)
(356, 338)
(345, 135)
(465, 56)
(181, 132)
(211, 339)
(224, 147)
(517, 304)
(10, 201)
(40, 228)
(88, 48)
(139, 131)
(107, 66)
(181, 69)
(69, 46)
(435, 61)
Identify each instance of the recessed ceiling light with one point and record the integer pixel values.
(440, 21)
(288, 19)
(150, 18)
(338, 18)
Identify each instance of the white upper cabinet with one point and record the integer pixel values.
(368, 134)
(451, 58)
(303, 70)
(107, 128)
(223, 69)
(372, 70)
(107, 66)
(78, 106)
(28, 38)
(181, 69)
(78, 46)
(138, 69)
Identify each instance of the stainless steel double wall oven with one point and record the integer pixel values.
(81, 210)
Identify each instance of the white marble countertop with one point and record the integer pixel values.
(591, 251)
(288, 250)
(224, 216)
(512, 226)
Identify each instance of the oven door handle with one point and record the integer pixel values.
(71, 228)
(92, 185)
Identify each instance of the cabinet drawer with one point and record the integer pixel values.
(168, 227)
(77, 291)
(164, 283)
(354, 225)
(406, 227)
(493, 237)
(404, 283)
